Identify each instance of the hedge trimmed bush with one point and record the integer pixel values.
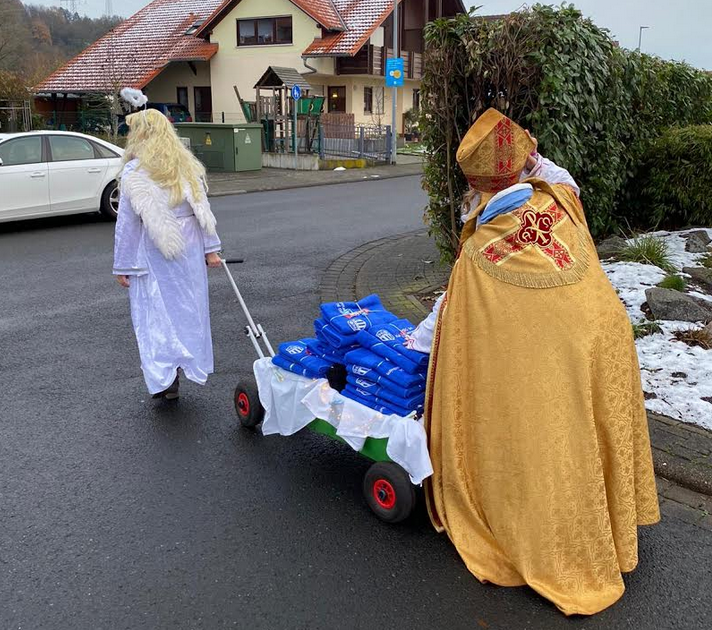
(674, 191)
(596, 109)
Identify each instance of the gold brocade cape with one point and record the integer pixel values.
(536, 421)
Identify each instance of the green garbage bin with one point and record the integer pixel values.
(224, 147)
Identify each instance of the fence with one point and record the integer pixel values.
(372, 142)
(329, 140)
(91, 122)
(15, 116)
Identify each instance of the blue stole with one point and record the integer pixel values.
(506, 203)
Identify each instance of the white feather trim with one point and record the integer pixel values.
(135, 98)
(201, 208)
(152, 203)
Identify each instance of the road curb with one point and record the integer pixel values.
(394, 268)
(247, 189)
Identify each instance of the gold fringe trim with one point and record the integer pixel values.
(535, 280)
(435, 518)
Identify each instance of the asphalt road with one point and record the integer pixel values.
(117, 512)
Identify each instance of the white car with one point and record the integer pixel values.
(49, 173)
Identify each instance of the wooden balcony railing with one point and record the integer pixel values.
(371, 60)
(414, 65)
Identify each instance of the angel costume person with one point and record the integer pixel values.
(165, 232)
(534, 410)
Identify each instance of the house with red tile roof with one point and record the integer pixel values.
(203, 53)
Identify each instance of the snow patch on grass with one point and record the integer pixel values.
(676, 377)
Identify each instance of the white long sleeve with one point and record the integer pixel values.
(551, 173)
(129, 257)
(421, 339)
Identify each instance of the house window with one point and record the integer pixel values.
(337, 99)
(264, 31)
(182, 93)
(283, 28)
(416, 100)
(367, 100)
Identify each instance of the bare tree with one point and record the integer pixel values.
(116, 70)
(378, 109)
(14, 33)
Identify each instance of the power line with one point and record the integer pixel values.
(109, 8)
(71, 5)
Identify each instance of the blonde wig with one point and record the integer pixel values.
(154, 142)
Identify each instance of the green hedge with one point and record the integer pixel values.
(674, 190)
(596, 109)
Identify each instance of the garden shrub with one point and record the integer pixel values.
(595, 108)
(673, 190)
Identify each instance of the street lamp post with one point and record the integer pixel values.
(640, 36)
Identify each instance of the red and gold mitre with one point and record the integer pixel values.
(494, 152)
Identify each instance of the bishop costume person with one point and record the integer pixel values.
(537, 427)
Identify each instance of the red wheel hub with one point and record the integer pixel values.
(384, 494)
(243, 404)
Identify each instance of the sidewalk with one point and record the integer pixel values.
(222, 184)
(401, 267)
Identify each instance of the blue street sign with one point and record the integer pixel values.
(296, 92)
(395, 72)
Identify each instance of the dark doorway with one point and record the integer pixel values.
(203, 104)
(182, 93)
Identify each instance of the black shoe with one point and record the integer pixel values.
(172, 392)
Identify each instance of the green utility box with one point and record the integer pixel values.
(224, 147)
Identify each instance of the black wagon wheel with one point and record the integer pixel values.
(389, 492)
(247, 404)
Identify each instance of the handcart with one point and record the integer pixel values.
(387, 486)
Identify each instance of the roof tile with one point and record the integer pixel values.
(362, 18)
(323, 11)
(137, 50)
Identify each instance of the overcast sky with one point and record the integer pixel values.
(679, 29)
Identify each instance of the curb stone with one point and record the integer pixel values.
(395, 268)
(227, 184)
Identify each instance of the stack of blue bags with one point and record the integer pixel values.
(306, 357)
(370, 341)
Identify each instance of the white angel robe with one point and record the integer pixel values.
(163, 250)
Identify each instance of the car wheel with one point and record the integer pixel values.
(110, 202)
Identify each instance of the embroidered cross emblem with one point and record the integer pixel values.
(535, 229)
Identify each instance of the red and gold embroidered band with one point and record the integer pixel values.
(494, 152)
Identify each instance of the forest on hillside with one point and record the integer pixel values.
(35, 41)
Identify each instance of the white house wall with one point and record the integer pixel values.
(355, 85)
(244, 65)
(164, 88)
